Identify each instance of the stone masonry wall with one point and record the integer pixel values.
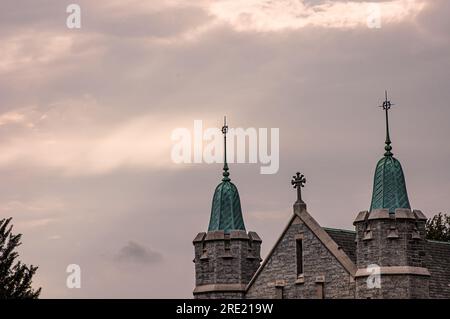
(220, 295)
(385, 251)
(395, 287)
(225, 259)
(318, 265)
(392, 240)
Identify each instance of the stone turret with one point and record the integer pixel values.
(225, 263)
(390, 238)
(393, 246)
(226, 257)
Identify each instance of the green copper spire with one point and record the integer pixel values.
(389, 186)
(226, 213)
(386, 107)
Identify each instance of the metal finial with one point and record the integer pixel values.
(298, 181)
(225, 174)
(386, 107)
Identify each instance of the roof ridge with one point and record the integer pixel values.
(326, 240)
(339, 229)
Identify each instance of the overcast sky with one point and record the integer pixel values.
(86, 117)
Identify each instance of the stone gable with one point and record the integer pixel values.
(323, 274)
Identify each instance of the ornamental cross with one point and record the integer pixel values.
(225, 126)
(225, 173)
(386, 104)
(386, 107)
(298, 181)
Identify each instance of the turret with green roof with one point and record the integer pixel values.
(390, 237)
(226, 213)
(226, 257)
(389, 187)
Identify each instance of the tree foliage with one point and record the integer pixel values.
(15, 277)
(438, 227)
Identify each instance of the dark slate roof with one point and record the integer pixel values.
(438, 262)
(345, 240)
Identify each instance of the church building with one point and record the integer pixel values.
(385, 256)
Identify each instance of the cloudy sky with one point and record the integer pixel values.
(86, 117)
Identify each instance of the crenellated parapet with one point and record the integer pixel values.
(225, 263)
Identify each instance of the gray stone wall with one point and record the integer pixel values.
(438, 263)
(391, 243)
(225, 259)
(220, 295)
(395, 287)
(322, 272)
(392, 240)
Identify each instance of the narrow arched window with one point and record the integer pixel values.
(299, 249)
